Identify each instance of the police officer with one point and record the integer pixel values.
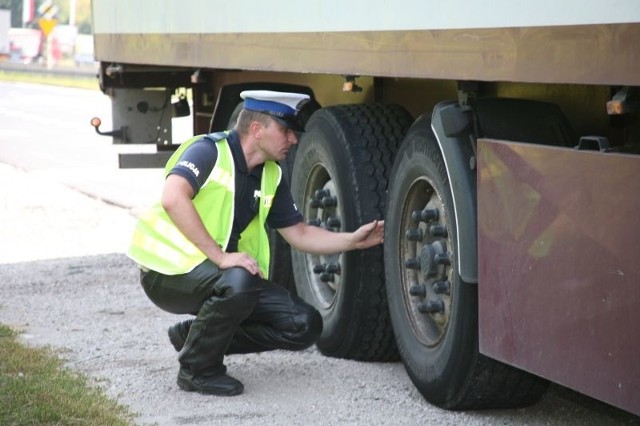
(204, 250)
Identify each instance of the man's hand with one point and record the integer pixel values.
(229, 260)
(369, 235)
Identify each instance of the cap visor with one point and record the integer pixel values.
(290, 122)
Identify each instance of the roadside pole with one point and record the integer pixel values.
(47, 26)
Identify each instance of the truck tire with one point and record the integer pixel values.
(339, 180)
(433, 312)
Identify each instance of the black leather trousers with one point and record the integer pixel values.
(236, 312)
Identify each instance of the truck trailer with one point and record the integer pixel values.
(499, 142)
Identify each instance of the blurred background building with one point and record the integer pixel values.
(56, 33)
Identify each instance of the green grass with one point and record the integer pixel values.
(81, 82)
(36, 389)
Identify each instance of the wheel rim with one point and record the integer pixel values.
(323, 210)
(426, 262)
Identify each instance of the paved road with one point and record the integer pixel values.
(47, 129)
(65, 282)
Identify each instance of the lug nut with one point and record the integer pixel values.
(334, 222)
(442, 287)
(329, 202)
(442, 259)
(326, 277)
(414, 234)
(438, 231)
(431, 307)
(333, 268)
(317, 269)
(320, 194)
(412, 263)
(418, 290)
(426, 215)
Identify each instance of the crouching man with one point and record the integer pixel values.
(204, 250)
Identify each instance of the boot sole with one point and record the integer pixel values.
(189, 387)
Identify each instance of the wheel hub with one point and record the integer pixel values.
(323, 212)
(427, 262)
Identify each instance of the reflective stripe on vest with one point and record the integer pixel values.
(158, 245)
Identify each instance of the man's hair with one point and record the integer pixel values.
(247, 117)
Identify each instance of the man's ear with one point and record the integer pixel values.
(255, 129)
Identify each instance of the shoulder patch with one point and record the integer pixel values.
(189, 165)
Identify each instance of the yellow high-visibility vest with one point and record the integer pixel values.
(157, 244)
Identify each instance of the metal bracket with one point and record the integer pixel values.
(467, 93)
(594, 143)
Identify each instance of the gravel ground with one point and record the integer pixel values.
(65, 283)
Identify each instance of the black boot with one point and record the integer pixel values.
(211, 332)
(212, 383)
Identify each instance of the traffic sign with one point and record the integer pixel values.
(47, 25)
(48, 10)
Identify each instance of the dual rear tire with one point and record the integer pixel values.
(406, 298)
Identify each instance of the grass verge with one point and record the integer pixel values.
(35, 389)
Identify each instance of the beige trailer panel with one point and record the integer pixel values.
(583, 54)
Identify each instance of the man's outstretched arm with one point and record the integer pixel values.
(313, 239)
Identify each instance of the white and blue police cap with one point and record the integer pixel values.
(282, 106)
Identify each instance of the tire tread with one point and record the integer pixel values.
(374, 134)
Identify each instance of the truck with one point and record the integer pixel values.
(499, 142)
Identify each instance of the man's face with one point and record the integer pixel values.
(277, 140)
